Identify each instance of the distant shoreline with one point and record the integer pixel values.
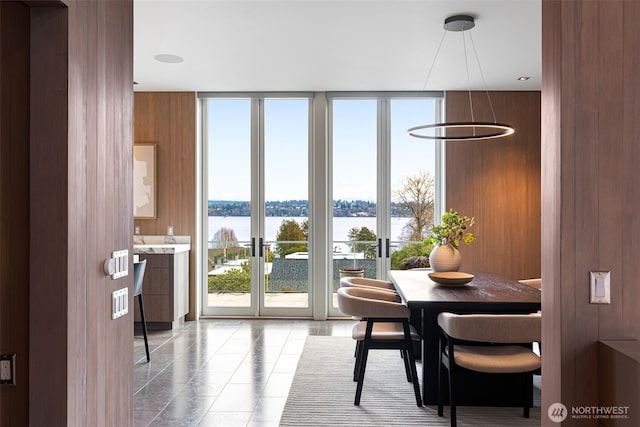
(300, 208)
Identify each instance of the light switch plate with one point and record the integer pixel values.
(600, 284)
(119, 303)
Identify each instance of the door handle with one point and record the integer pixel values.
(379, 248)
(262, 246)
(388, 247)
(253, 246)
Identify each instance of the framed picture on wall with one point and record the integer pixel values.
(144, 180)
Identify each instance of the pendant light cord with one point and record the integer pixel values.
(466, 65)
(433, 63)
(424, 86)
(484, 83)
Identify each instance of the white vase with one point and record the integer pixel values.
(445, 258)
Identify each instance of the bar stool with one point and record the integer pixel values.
(138, 279)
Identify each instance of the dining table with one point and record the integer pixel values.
(486, 293)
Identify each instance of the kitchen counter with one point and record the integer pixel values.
(166, 280)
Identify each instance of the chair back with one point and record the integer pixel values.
(534, 283)
(368, 302)
(138, 276)
(493, 328)
(349, 282)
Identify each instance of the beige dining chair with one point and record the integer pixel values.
(384, 326)
(489, 343)
(365, 282)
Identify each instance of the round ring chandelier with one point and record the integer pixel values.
(477, 130)
(488, 130)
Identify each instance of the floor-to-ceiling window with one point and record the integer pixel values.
(382, 189)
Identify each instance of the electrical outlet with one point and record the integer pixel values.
(8, 369)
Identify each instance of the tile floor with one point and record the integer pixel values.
(221, 372)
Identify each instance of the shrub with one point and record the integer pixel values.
(235, 280)
(409, 250)
(414, 262)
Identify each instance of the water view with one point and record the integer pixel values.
(241, 225)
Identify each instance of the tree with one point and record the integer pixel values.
(292, 234)
(225, 238)
(417, 195)
(364, 234)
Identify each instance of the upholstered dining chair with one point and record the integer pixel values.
(365, 282)
(490, 343)
(384, 326)
(138, 279)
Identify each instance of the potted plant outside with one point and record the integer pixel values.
(447, 236)
(356, 270)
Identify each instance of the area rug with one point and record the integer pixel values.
(323, 390)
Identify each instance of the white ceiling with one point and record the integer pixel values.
(318, 45)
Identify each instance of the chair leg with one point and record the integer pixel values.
(407, 370)
(356, 365)
(408, 342)
(528, 393)
(414, 375)
(452, 401)
(144, 327)
(361, 368)
(440, 382)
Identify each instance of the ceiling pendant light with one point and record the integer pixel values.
(472, 130)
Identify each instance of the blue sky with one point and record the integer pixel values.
(286, 147)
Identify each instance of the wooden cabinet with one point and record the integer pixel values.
(619, 382)
(165, 290)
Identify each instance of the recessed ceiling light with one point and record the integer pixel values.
(523, 78)
(168, 58)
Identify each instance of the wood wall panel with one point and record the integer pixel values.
(101, 162)
(590, 196)
(81, 211)
(169, 120)
(551, 198)
(498, 182)
(14, 206)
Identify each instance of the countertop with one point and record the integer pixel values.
(161, 244)
(168, 248)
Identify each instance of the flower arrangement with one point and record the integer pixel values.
(451, 230)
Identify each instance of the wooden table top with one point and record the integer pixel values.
(419, 291)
